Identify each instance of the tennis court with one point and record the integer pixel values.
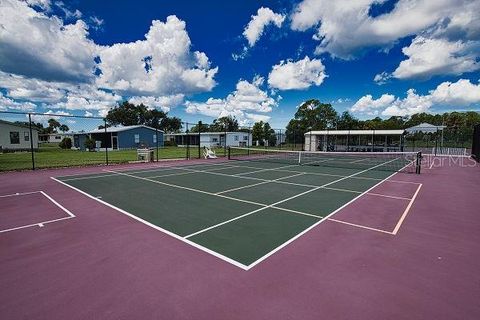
(245, 209)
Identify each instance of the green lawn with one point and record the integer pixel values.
(50, 156)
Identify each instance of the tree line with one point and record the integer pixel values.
(315, 115)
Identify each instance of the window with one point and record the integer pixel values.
(236, 138)
(245, 138)
(214, 139)
(26, 136)
(154, 138)
(14, 137)
(58, 138)
(137, 138)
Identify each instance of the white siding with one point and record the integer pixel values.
(23, 132)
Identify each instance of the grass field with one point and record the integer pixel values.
(50, 156)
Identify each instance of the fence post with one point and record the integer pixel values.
(156, 139)
(199, 137)
(280, 138)
(188, 142)
(348, 141)
(248, 140)
(225, 140)
(106, 148)
(31, 140)
(294, 140)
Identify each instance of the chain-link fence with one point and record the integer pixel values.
(440, 140)
(35, 140)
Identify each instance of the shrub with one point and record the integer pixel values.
(66, 143)
(169, 144)
(90, 144)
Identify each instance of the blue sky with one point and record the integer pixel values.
(256, 60)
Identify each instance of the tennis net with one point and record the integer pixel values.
(384, 161)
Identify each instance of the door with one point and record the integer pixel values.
(114, 142)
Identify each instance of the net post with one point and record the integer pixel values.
(106, 148)
(31, 140)
(299, 158)
(418, 163)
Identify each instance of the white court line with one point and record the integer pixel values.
(18, 194)
(328, 174)
(388, 196)
(200, 191)
(253, 264)
(276, 203)
(151, 168)
(41, 223)
(407, 209)
(259, 183)
(151, 225)
(359, 226)
(269, 169)
(210, 251)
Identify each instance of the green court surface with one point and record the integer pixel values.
(240, 211)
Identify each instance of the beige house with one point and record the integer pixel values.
(17, 136)
(55, 137)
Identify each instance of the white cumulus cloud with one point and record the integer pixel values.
(162, 64)
(368, 105)
(164, 103)
(257, 24)
(10, 104)
(54, 64)
(247, 102)
(430, 57)
(38, 46)
(300, 74)
(345, 28)
(462, 93)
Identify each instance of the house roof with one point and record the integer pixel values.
(425, 127)
(18, 125)
(356, 132)
(122, 128)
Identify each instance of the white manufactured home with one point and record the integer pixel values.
(15, 136)
(55, 137)
(211, 139)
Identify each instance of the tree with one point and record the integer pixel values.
(258, 132)
(128, 114)
(227, 123)
(66, 143)
(347, 122)
(269, 134)
(202, 128)
(315, 115)
(53, 125)
(90, 144)
(171, 124)
(295, 132)
(64, 128)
